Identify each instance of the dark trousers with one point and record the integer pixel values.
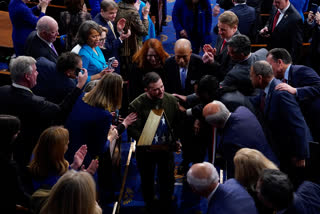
(147, 162)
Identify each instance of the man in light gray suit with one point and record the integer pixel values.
(239, 49)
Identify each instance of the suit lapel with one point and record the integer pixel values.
(284, 19)
(269, 97)
(94, 55)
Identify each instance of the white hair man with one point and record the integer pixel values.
(226, 198)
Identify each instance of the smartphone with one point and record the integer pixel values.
(110, 62)
(77, 71)
(314, 8)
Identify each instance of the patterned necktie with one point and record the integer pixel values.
(284, 80)
(275, 20)
(183, 75)
(112, 29)
(52, 47)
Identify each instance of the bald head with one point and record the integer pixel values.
(47, 28)
(216, 114)
(182, 43)
(203, 178)
(182, 52)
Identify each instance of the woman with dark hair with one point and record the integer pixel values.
(90, 123)
(192, 19)
(151, 57)
(10, 178)
(71, 20)
(48, 163)
(92, 57)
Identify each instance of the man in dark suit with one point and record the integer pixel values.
(301, 81)
(40, 42)
(55, 81)
(35, 113)
(226, 198)
(275, 190)
(183, 70)
(284, 28)
(239, 49)
(105, 18)
(246, 16)
(222, 63)
(238, 130)
(287, 131)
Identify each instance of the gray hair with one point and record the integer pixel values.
(219, 118)
(262, 68)
(90, 85)
(20, 66)
(44, 24)
(202, 184)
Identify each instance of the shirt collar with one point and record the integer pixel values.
(213, 191)
(21, 87)
(266, 90)
(239, 4)
(286, 73)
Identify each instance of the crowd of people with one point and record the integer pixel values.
(256, 115)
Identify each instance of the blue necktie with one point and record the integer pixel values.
(183, 76)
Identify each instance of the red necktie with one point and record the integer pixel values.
(275, 20)
(224, 42)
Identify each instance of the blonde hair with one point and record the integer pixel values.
(75, 192)
(107, 94)
(249, 163)
(49, 153)
(229, 18)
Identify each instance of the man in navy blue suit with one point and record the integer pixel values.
(55, 81)
(238, 130)
(287, 131)
(301, 81)
(105, 18)
(227, 198)
(246, 16)
(275, 190)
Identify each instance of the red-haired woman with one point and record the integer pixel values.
(150, 57)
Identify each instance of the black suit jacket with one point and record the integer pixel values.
(172, 73)
(288, 33)
(222, 61)
(36, 48)
(35, 114)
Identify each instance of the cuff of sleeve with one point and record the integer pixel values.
(189, 112)
(120, 39)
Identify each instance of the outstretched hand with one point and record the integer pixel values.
(130, 119)
(121, 24)
(79, 157)
(92, 168)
